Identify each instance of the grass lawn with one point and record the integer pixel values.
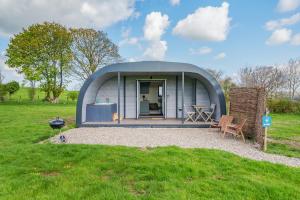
(29, 170)
(285, 135)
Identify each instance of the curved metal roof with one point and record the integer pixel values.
(151, 66)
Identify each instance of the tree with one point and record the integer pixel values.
(227, 84)
(73, 95)
(12, 87)
(3, 91)
(42, 52)
(91, 51)
(292, 74)
(218, 74)
(269, 77)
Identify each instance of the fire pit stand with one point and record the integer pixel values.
(58, 124)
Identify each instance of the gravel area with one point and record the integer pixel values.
(182, 137)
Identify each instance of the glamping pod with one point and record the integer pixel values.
(148, 93)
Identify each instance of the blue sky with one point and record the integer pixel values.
(237, 31)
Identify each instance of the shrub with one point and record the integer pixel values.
(73, 95)
(283, 106)
(12, 87)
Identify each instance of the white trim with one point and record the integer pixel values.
(137, 99)
(165, 99)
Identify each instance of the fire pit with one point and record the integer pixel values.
(57, 123)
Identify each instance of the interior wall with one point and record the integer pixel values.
(152, 96)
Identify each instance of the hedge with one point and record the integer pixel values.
(283, 106)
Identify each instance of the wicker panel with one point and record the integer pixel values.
(249, 103)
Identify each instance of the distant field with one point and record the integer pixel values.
(22, 95)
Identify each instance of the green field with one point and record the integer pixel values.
(285, 135)
(29, 170)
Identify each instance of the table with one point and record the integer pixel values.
(199, 112)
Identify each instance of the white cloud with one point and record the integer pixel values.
(279, 36)
(154, 28)
(206, 23)
(220, 56)
(155, 25)
(201, 51)
(287, 5)
(276, 24)
(133, 59)
(127, 40)
(156, 50)
(296, 39)
(174, 2)
(16, 14)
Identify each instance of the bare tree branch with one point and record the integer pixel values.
(91, 51)
(292, 75)
(268, 77)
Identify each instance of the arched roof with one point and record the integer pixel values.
(154, 67)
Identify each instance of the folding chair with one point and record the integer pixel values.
(224, 120)
(190, 114)
(210, 112)
(236, 129)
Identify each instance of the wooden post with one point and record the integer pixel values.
(266, 133)
(119, 86)
(265, 142)
(182, 96)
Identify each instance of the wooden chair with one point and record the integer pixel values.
(190, 114)
(210, 112)
(235, 129)
(224, 120)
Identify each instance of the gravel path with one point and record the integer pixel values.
(183, 137)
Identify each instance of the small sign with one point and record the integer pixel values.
(266, 121)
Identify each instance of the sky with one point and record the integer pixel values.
(221, 35)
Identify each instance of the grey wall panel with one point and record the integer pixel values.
(201, 92)
(171, 96)
(91, 92)
(109, 90)
(188, 95)
(202, 95)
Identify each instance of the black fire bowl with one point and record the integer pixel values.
(57, 123)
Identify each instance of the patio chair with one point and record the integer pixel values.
(224, 120)
(235, 129)
(210, 112)
(190, 114)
